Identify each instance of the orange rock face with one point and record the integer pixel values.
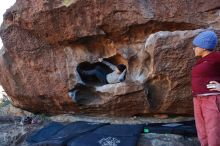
(45, 41)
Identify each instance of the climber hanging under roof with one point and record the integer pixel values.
(117, 75)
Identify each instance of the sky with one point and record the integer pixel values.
(5, 4)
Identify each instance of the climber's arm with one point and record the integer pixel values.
(122, 76)
(112, 66)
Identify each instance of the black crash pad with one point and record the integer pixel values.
(186, 128)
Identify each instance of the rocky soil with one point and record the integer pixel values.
(15, 134)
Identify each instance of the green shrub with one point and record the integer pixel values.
(4, 101)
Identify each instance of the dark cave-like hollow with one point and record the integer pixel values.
(92, 80)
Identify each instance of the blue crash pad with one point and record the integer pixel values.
(75, 129)
(110, 135)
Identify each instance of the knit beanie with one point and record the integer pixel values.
(207, 40)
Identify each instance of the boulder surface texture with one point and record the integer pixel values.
(45, 41)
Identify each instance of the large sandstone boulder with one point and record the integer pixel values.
(45, 41)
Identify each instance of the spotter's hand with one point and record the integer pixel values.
(213, 86)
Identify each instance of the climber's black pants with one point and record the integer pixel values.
(98, 72)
